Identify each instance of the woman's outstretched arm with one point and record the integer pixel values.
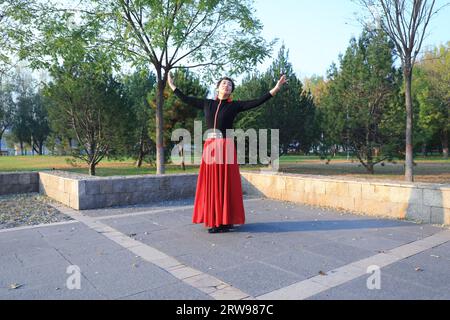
(192, 101)
(247, 105)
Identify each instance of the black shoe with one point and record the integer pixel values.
(214, 230)
(221, 229)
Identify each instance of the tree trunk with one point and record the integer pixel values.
(444, 141)
(160, 168)
(369, 166)
(139, 160)
(424, 149)
(141, 150)
(92, 168)
(183, 165)
(409, 175)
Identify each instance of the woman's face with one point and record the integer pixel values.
(225, 88)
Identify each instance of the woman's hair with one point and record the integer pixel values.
(226, 78)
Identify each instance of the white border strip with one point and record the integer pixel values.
(312, 286)
(42, 225)
(215, 288)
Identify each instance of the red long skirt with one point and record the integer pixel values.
(218, 198)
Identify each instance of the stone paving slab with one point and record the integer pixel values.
(292, 241)
(138, 208)
(392, 288)
(36, 260)
(280, 245)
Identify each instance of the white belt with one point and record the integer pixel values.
(214, 135)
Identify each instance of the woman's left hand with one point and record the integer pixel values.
(282, 81)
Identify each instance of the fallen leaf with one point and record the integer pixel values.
(15, 286)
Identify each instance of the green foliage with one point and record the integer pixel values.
(176, 113)
(291, 111)
(87, 103)
(432, 91)
(7, 104)
(361, 107)
(137, 89)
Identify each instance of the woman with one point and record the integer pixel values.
(218, 200)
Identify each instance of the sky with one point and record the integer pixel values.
(316, 31)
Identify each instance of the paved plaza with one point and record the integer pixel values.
(284, 251)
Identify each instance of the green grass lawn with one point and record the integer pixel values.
(105, 168)
(432, 169)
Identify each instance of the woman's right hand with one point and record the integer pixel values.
(170, 81)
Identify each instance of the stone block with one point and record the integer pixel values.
(419, 212)
(339, 189)
(433, 198)
(60, 184)
(440, 215)
(24, 178)
(292, 196)
(355, 190)
(11, 178)
(397, 210)
(401, 194)
(367, 190)
(294, 184)
(106, 186)
(68, 185)
(81, 188)
(111, 200)
(445, 197)
(34, 178)
(119, 186)
(372, 207)
(93, 187)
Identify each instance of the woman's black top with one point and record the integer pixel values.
(227, 112)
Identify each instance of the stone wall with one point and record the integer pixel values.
(19, 182)
(84, 192)
(424, 202)
(62, 187)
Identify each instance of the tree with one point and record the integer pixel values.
(24, 89)
(86, 98)
(138, 87)
(215, 35)
(7, 105)
(433, 93)
(359, 95)
(405, 22)
(177, 114)
(291, 112)
(39, 125)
